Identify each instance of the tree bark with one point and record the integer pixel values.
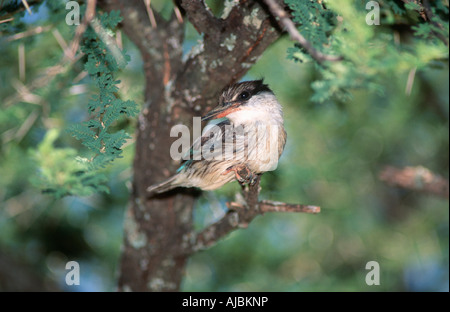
(156, 229)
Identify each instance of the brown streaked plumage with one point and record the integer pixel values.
(246, 132)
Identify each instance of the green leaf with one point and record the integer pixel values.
(106, 109)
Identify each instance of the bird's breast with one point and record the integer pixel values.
(265, 141)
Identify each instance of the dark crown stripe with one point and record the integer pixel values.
(260, 86)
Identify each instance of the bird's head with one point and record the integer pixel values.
(245, 100)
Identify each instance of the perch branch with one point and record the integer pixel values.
(416, 178)
(240, 214)
(272, 206)
(290, 27)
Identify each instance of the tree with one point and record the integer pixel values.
(229, 47)
(159, 234)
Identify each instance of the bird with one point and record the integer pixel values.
(244, 138)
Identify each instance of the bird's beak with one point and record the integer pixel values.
(220, 111)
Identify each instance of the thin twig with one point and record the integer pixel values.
(416, 178)
(119, 40)
(150, 13)
(410, 82)
(67, 60)
(7, 20)
(62, 43)
(29, 32)
(88, 17)
(79, 77)
(26, 126)
(60, 39)
(178, 14)
(25, 3)
(25, 94)
(109, 41)
(287, 23)
(22, 63)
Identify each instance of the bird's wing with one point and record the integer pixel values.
(218, 141)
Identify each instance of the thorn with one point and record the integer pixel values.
(21, 61)
(151, 16)
(25, 3)
(178, 14)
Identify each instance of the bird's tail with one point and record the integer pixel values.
(164, 186)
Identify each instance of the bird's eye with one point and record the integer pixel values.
(244, 95)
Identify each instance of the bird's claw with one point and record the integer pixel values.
(243, 174)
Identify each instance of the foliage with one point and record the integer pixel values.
(63, 175)
(105, 108)
(334, 152)
(38, 158)
(335, 27)
(315, 24)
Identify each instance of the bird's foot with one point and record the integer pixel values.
(243, 174)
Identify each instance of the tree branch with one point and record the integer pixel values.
(416, 178)
(430, 17)
(88, 17)
(68, 58)
(239, 215)
(290, 27)
(137, 22)
(427, 15)
(224, 55)
(273, 206)
(200, 16)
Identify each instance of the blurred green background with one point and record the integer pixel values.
(334, 153)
